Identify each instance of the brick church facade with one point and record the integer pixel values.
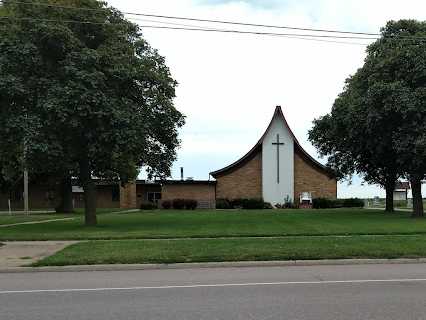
(276, 168)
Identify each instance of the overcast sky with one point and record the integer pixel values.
(229, 84)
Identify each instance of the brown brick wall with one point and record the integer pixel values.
(203, 193)
(42, 197)
(243, 182)
(128, 196)
(142, 192)
(188, 191)
(308, 178)
(39, 197)
(104, 197)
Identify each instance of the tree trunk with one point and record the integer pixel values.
(416, 189)
(89, 193)
(66, 205)
(390, 188)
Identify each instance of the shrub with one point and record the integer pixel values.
(286, 205)
(321, 203)
(223, 204)
(324, 203)
(166, 204)
(353, 203)
(267, 205)
(147, 205)
(237, 203)
(178, 204)
(290, 205)
(253, 204)
(190, 204)
(400, 203)
(337, 203)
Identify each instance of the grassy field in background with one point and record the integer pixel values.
(243, 249)
(222, 223)
(402, 204)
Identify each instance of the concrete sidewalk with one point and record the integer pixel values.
(19, 253)
(34, 222)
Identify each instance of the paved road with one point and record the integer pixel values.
(317, 292)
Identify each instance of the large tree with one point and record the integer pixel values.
(402, 69)
(94, 99)
(353, 144)
(375, 126)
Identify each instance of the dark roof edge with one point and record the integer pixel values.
(248, 156)
(189, 182)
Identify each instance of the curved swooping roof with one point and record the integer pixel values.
(258, 147)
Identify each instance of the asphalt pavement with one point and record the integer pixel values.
(394, 291)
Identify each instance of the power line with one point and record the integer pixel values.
(259, 32)
(220, 21)
(213, 21)
(196, 19)
(192, 29)
(289, 37)
(315, 37)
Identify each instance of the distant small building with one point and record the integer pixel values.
(401, 190)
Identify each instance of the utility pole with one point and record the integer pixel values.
(26, 207)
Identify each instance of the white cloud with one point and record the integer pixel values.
(229, 84)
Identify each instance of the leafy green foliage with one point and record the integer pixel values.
(147, 205)
(377, 124)
(324, 203)
(191, 204)
(251, 203)
(178, 204)
(166, 204)
(223, 204)
(87, 99)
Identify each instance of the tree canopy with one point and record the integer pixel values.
(376, 125)
(83, 93)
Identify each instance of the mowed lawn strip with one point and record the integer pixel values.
(162, 224)
(243, 249)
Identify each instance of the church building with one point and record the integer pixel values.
(276, 169)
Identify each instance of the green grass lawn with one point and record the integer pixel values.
(242, 249)
(223, 223)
